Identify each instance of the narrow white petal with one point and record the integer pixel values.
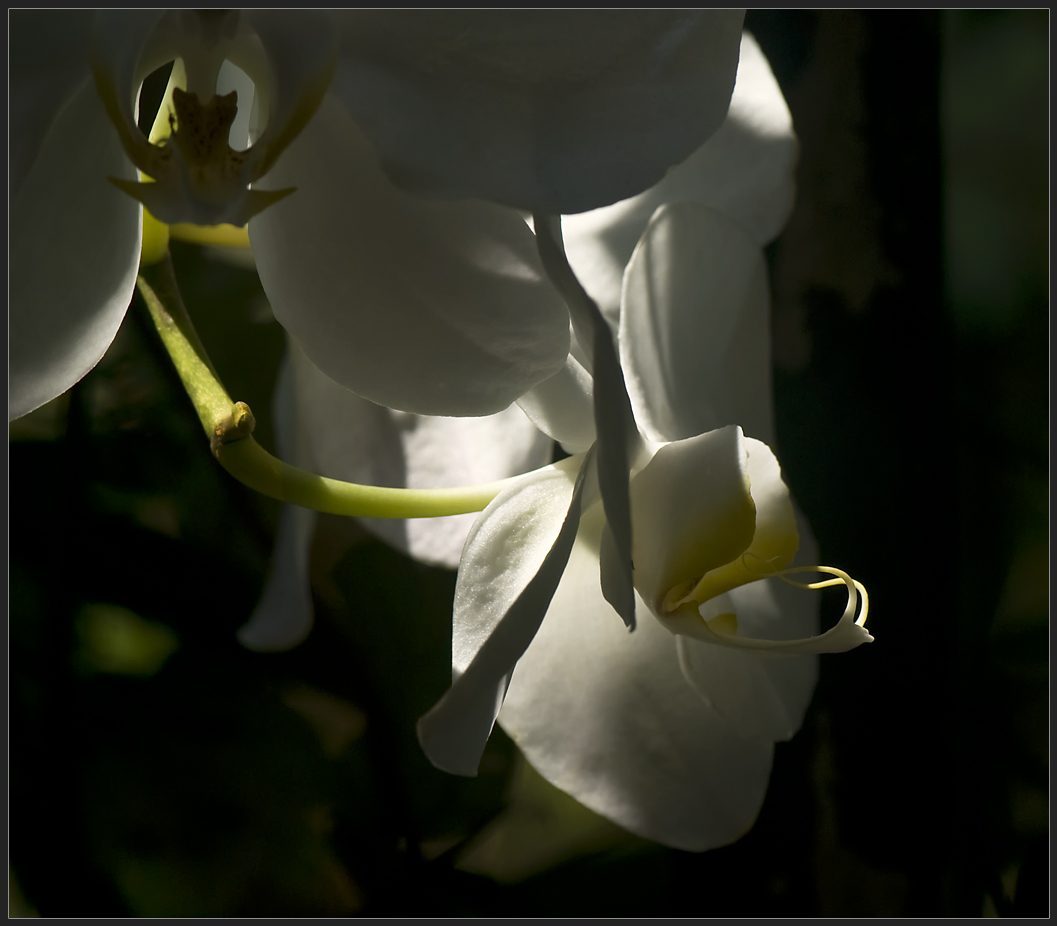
(434, 308)
(607, 717)
(618, 444)
(746, 171)
(357, 441)
(695, 328)
(74, 255)
(514, 559)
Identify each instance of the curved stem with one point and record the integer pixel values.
(253, 466)
(229, 426)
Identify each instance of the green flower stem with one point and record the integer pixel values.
(229, 425)
(157, 285)
(252, 465)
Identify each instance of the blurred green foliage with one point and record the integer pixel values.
(158, 769)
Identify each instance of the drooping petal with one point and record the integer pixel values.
(607, 717)
(695, 329)
(551, 110)
(48, 61)
(513, 562)
(74, 254)
(285, 613)
(618, 444)
(692, 512)
(357, 441)
(745, 171)
(434, 308)
(759, 696)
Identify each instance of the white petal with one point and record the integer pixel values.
(504, 551)
(606, 716)
(285, 614)
(760, 697)
(514, 559)
(74, 255)
(563, 406)
(551, 110)
(434, 308)
(695, 328)
(357, 441)
(746, 171)
(48, 62)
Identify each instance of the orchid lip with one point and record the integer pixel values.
(679, 614)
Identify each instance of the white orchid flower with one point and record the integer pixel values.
(432, 306)
(668, 730)
(745, 171)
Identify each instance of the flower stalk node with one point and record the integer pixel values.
(236, 426)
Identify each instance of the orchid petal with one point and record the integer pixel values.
(357, 441)
(433, 308)
(695, 329)
(514, 560)
(47, 63)
(759, 697)
(532, 108)
(285, 613)
(745, 171)
(607, 717)
(74, 255)
(562, 407)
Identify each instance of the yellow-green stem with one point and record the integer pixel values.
(228, 425)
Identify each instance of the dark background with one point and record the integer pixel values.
(157, 768)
